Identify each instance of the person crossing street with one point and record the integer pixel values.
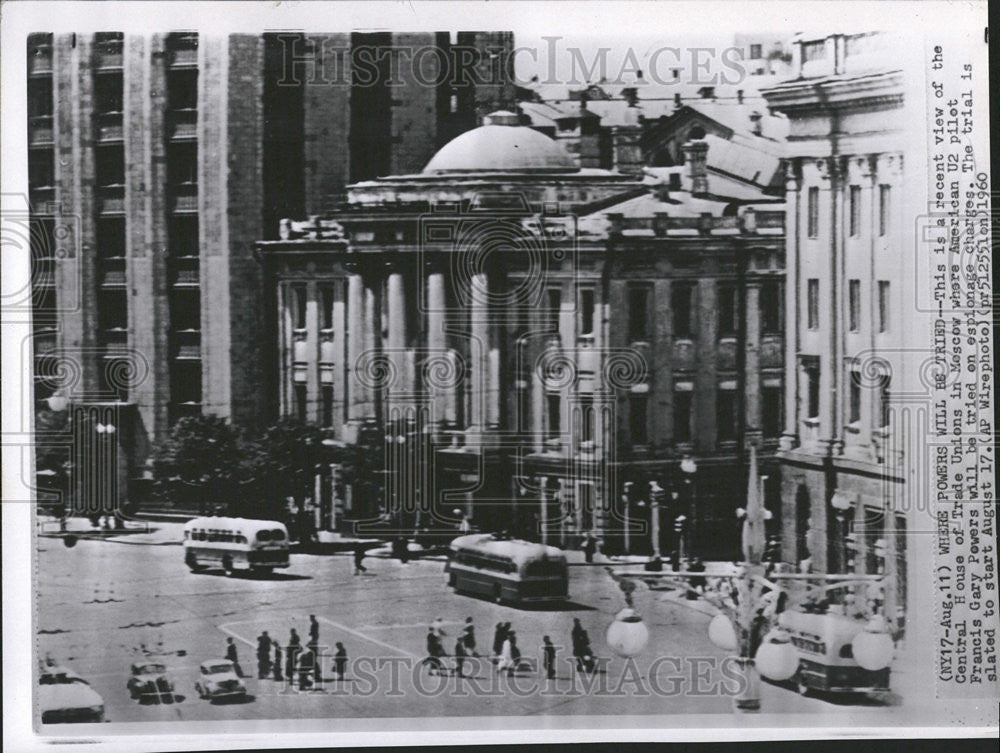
(263, 655)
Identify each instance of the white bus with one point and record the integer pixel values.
(260, 545)
(507, 570)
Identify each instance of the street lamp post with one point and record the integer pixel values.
(749, 600)
(655, 497)
(689, 467)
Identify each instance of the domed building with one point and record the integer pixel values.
(496, 330)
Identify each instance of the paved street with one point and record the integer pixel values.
(103, 605)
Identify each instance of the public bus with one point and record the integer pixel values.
(507, 570)
(257, 545)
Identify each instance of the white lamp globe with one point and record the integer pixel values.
(873, 647)
(722, 633)
(627, 635)
(777, 658)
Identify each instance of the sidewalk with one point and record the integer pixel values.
(135, 531)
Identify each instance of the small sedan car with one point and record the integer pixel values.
(219, 680)
(65, 698)
(149, 682)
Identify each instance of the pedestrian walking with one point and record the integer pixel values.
(292, 654)
(589, 546)
(515, 651)
(313, 631)
(438, 627)
(498, 639)
(359, 555)
(460, 654)
(263, 655)
(578, 637)
(469, 636)
(506, 660)
(548, 657)
(340, 661)
(277, 662)
(435, 650)
(233, 656)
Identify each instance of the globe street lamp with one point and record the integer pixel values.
(750, 599)
(689, 468)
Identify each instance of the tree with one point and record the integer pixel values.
(283, 462)
(200, 463)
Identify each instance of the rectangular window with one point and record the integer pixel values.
(638, 433)
(40, 101)
(682, 415)
(813, 211)
(770, 307)
(854, 304)
(110, 166)
(41, 168)
(883, 305)
(725, 415)
(726, 295)
(111, 237)
(884, 397)
(680, 304)
(883, 209)
(555, 304)
(638, 313)
(300, 402)
(183, 236)
(108, 93)
(327, 298)
(755, 52)
(854, 396)
(554, 404)
(182, 164)
(182, 90)
(299, 306)
(811, 369)
(586, 312)
(327, 405)
(812, 303)
(855, 210)
(771, 410)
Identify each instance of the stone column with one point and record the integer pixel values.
(829, 314)
(396, 342)
(479, 351)
(372, 340)
(356, 392)
(437, 347)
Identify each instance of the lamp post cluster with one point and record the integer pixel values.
(655, 500)
(748, 603)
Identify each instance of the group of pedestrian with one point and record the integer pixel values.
(505, 649)
(465, 645)
(293, 662)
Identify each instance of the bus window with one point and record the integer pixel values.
(278, 535)
(263, 536)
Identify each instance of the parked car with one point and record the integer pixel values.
(149, 681)
(65, 698)
(219, 680)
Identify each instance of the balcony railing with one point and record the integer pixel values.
(113, 272)
(114, 342)
(183, 124)
(108, 54)
(185, 272)
(184, 198)
(108, 127)
(40, 61)
(187, 344)
(40, 130)
(111, 199)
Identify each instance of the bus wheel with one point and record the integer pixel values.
(192, 562)
(227, 564)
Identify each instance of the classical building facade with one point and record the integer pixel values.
(537, 334)
(155, 164)
(850, 347)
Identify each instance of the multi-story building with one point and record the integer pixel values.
(851, 341)
(170, 155)
(551, 331)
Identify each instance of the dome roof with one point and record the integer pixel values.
(501, 146)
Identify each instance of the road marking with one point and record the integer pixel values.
(368, 638)
(412, 625)
(228, 631)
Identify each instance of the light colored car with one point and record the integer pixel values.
(149, 681)
(219, 680)
(65, 698)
